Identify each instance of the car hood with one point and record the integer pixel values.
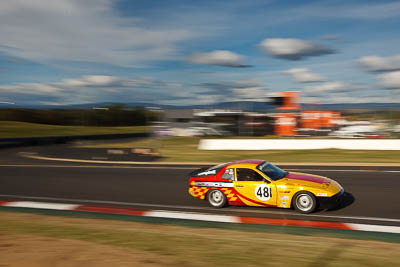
(304, 179)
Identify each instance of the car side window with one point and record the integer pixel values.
(244, 174)
(228, 174)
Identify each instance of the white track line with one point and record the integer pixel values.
(227, 210)
(110, 162)
(356, 218)
(95, 166)
(171, 167)
(28, 155)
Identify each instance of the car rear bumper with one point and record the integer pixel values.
(331, 202)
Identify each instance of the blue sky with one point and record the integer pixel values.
(198, 52)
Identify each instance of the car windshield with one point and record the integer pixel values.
(271, 171)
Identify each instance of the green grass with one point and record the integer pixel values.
(14, 129)
(184, 149)
(192, 246)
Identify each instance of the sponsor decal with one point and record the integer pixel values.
(207, 173)
(245, 199)
(283, 202)
(263, 192)
(284, 197)
(213, 184)
(322, 194)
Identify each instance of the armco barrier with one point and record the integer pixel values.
(298, 144)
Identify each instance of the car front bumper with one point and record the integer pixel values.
(331, 202)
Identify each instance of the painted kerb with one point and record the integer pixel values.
(194, 216)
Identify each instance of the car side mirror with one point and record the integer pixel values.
(266, 181)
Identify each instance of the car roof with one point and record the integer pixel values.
(255, 162)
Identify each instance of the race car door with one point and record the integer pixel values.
(253, 189)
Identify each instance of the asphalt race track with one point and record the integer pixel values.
(373, 192)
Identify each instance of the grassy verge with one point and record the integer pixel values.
(14, 129)
(159, 244)
(184, 149)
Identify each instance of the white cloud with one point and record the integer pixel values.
(95, 88)
(375, 63)
(249, 94)
(218, 57)
(31, 89)
(249, 90)
(88, 31)
(303, 75)
(366, 96)
(293, 49)
(330, 99)
(92, 80)
(240, 90)
(390, 80)
(207, 99)
(329, 87)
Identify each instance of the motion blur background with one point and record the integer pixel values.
(128, 97)
(208, 68)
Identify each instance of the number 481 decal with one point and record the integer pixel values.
(263, 192)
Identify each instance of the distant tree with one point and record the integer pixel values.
(114, 115)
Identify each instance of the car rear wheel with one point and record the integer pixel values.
(216, 198)
(305, 202)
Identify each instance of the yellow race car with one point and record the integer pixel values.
(260, 183)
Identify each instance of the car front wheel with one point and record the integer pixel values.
(216, 198)
(305, 202)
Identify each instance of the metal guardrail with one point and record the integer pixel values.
(299, 144)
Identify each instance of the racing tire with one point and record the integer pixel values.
(216, 198)
(305, 202)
